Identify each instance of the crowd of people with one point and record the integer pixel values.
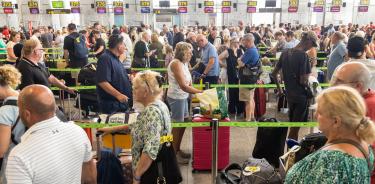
(32, 137)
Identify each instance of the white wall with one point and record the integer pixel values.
(133, 16)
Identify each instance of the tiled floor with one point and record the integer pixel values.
(242, 141)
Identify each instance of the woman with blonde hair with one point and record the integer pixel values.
(180, 86)
(11, 129)
(152, 124)
(347, 156)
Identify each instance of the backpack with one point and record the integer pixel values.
(87, 75)
(59, 113)
(79, 46)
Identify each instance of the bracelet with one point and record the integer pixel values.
(137, 178)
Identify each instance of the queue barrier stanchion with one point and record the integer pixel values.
(215, 132)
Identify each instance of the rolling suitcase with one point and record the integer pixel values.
(112, 167)
(260, 101)
(202, 146)
(270, 143)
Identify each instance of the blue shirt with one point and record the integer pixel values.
(336, 58)
(251, 56)
(209, 51)
(111, 70)
(8, 117)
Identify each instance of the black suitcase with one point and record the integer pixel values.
(270, 142)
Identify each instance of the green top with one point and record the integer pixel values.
(152, 123)
(2, 46)
(329, 166)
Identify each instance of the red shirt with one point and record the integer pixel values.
(370, 105)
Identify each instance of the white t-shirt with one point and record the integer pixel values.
(174, 90)
(371, 66)
(50, 152)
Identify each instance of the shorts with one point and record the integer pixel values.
(179, 109)
(245, 94)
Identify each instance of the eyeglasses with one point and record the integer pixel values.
(337, 81)
(40, 49)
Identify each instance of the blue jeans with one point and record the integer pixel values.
(109, 107)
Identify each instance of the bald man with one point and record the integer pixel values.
(50, 151)
(358, 76)
(210, 59)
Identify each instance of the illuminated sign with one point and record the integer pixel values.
(34, 10)
(251, 9)
(226, 9)
(57, 4)
(252, 3)
(364, 2)
(8, 10)
(145, 10)
(58, 11)
(209, 9)
(118, 4)
(226, 3)
(293, 3)
(319, 3)
(6, 4)
(318, 9)
(182, 10)
(182, 3)
(32, 4)
(209, 3)
(362, 8)
(144, 3)
(101, 4)
(336, 2)
(335, 8)
(75, 4)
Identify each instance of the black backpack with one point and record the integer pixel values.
(59, 113)
(87, 75)
(79, 46)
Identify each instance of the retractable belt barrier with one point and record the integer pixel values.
(80, 88)
(207, 124)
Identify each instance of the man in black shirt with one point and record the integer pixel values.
(99, 46)
(34, 72)
(192, 39)
(296, 70)
(113, 85)
(178, 36)
(70, 56)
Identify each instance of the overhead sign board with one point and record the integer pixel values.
(226, 3)
(182, 3)
(145, 10)
(75, 6)
(7, 4)
(145, 3)
(362, 8)
(58, 11)
(252, 3)
(57, 4)
(226, 10)
(251, 9)
(8, 10)
(209, 3)
(209, 9)
(182, 10)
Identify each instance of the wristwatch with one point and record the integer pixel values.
(137, 178)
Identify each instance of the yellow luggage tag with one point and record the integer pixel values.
(166, 138)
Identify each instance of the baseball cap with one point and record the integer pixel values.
(310, 36)
(356, 46)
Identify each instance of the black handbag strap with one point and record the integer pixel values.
(355, 144)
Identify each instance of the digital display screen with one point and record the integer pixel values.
(57, 4)
(32, 4)
(182, 3)
(208, 9)
(226, 3)
(182, 10)
(75, 4)
(118, 4)
(252, 3)
(225, 9)
(101, 4)
(209, 3)
(6, 4)
(145, 3)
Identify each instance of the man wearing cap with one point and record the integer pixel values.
(356, 52)
(296, 69)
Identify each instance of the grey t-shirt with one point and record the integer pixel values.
(8, 117)
(336, 58)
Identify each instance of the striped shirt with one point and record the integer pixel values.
(50, 152)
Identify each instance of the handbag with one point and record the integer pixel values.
(250, 74)
(164, 169)
(138, 62)
(227, 177)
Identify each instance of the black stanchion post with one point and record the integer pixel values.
(206, 85)
(215, 131)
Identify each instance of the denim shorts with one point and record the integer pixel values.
(179, 109)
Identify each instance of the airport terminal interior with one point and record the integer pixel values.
(187, 91)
